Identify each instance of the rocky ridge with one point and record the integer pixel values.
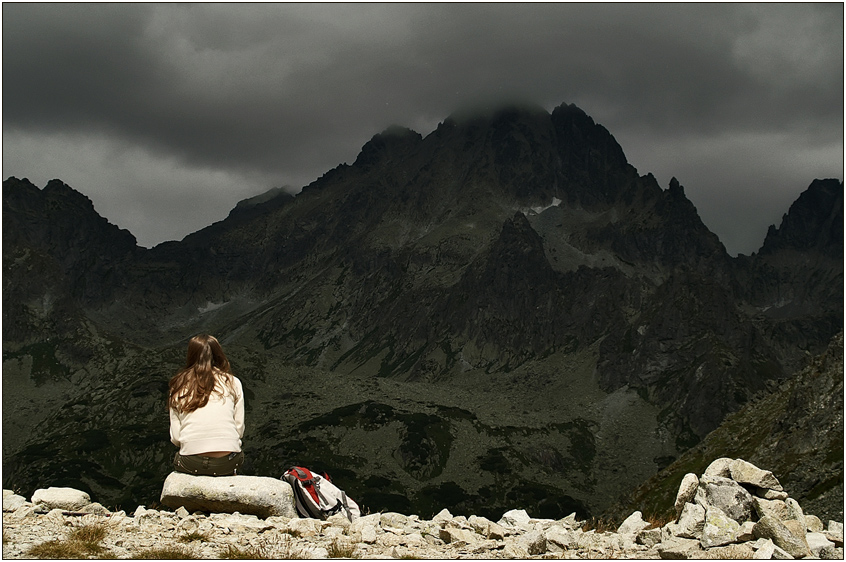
(734, 510)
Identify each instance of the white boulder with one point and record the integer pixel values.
(68, 499)
(254, 495)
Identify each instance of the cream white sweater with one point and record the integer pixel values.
(217, 426)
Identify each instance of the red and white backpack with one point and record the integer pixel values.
(317, 497)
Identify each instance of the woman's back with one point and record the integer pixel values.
(206, 404)
(217, 426)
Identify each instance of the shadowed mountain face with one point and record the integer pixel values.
(797, 427)
(501, 314)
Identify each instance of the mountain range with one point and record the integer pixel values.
(501, 313)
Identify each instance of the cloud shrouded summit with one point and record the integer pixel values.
(167, 115)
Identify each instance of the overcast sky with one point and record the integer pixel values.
(167, 115)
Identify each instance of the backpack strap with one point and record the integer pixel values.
(340, 505)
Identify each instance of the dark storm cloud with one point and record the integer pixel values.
(743, 103)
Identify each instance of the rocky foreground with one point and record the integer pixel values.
(734, 510)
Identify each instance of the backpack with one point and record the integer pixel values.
(317, 497)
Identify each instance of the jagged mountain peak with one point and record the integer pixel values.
(393, 139)
(493, 113)
(814, 222)
(13, 184)
(59, 216)
(268, 195)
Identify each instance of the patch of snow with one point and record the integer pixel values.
(210, 306)
(539, 209)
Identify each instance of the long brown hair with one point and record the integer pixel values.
(205, 363)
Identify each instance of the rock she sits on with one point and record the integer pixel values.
(255, 495)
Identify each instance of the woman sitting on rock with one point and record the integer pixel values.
(206, 412)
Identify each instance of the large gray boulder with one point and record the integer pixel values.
(254, 495)
(726, 494)
(747, 473)
(719, 467)
(719, 529)
(773, 508)
(771, 528)
(691, 522)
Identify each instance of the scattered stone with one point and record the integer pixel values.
(796, 528)
(393, 519)
(443, 515)
(515, 518)
(68, 499)
(12, 501)
(188, 525)
(497, 532)
(680, 549)
(747, 473)
(770, 494)
(764, 551)
(368, 535)
(794, 511)
(534, 543)
(371, 520)
(771, 528)
(831, 553)
(513, 550)
(817, 542)
(570, 521)
(649, 537)
(687, 491)
(339, 520)
(719, 467)
(719, 529)
(559, 539)
(773, 508)
(240, 523)
(691, 522)
(255, 495)
(781, 554)
(303, 527)
(813, 524)
(837, 539)
(730, 552)
(746, 532)
(455, 534)
(633, 524)
(95, 509)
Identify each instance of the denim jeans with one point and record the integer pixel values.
(209, 466)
